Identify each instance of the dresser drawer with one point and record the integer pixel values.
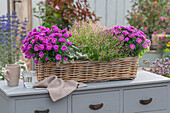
(146, 99)
(105, 102)
(41, 104)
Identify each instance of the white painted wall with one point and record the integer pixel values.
(3, 7)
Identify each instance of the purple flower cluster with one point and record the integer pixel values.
(46, 44)
(159, 66)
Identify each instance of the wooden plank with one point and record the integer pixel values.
(111, 13)
(101, 10)
(120, 12)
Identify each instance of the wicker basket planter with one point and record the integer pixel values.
(86, 71)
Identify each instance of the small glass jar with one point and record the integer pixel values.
(29, 78)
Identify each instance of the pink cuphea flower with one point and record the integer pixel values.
(138, 40)
(63, 48)
(46, 59)
(144, 45)
(65, 59)
(54, 40)
(33, 55)
(41, 54)
(69, 43)
(41, 47)
(132, 46)
(36, 61)
(36, 47)
(58, 57)
(127, 39)
(62, 40)
(49, 46)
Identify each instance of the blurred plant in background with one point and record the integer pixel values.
(63, 13)
(159, 66)
(150, 16)
(12, 33)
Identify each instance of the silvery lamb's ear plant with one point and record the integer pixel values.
(12, 32)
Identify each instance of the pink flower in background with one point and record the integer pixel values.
(41, 54)
(162, 19)
(33, 55)
(65, 35)
(36, 47)
(132, 46)
(167, 30)
(58, 57)
(57, 7)
(154, 33)
(63, 48)
(54, 40)
(70, 35)
(68, 51)
(162, 38)
(65, 59)
(138, 40)
(144, 45)
(49, 46)
(69, 43)
(163, 33)
(46, 59)
(168, 9)
(126, 39)
(41, 47)
(62, 40)
(36, 61)
(146, 28)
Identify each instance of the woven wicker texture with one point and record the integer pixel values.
(86, 71)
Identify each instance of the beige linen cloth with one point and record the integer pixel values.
(57, 87)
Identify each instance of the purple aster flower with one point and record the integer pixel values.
(132, 35)
(59, 35)
(64, 30)
(115, 31)
(24, 41)
(36, 61)
(63, 48)
(56, 30)
(58, 57)
(49, 46)
(132, 46)
(33, 55)
(41, 38)
(144, 45)
(33, 41)
(46, 59)
(34, 30)
(41, 47)
(69, 43)
(138, 40)
(54, 27)
(41, 54)
(54, 40)
(29, 47)
(65, 59)
(29, 56)
(125, 32)
(62, 40)
(55, 46)
(70, 35)
(51, 36)
(126, 39)
(65, 35)
(36, 47)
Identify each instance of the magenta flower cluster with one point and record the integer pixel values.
(47, 44)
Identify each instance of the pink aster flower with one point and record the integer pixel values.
(121, 37)
(62, 40)
(127, 39)
(132, 46)
(63, 48)
(132, 35)
(59, 35)
(148, 41)
(64, 30)
(33, 41)
(29, 56)
(54, 40)
(65, 59)
(65, 35)
(36, 47)
(36, 61)
(41, 54)
(55, 46)
(69, 43)
(58, 57)
(22, 49)
(138, 40)
(125, 32)
(24, 41)
(144, 45)
(33, 55)
(41, 38)
(29, 47)
(56, 50)
(46, 59)
(70, 35)
(49, 46)
(41, 47)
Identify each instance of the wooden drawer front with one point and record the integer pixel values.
(110, 101)
(154, 99)
(41, 104)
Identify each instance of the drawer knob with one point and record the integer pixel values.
(95, 107)
(145, 102)
(45, 111)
